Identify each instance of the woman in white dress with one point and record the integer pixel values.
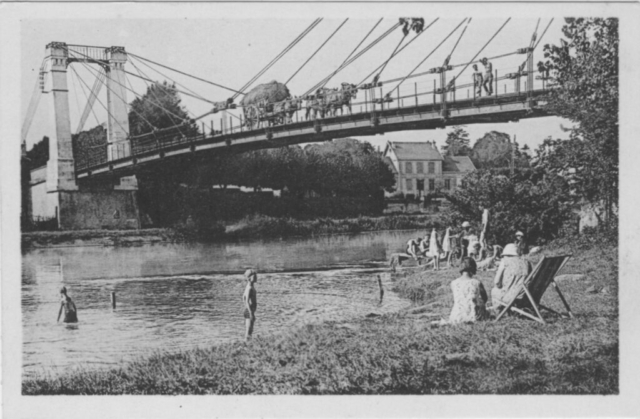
(434, 250)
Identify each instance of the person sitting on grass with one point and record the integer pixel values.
(413, 247)
(70, 311)
(513, 270)
(469, 296)
(249, 298)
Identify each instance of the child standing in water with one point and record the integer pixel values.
(250, 302)
(70, 312)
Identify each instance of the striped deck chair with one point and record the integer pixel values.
(534, 287)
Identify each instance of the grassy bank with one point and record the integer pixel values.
(247, 228)
(400, 353)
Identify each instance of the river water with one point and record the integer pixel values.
(177, 296)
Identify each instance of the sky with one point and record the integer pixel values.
(231, 51)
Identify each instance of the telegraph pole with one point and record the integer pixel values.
(513, 155)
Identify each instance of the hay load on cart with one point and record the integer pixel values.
(269, 102)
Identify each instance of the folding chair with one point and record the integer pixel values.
(534, 287)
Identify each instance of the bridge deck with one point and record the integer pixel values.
(504, 108)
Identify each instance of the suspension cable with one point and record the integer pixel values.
(198, 96)
(98, 99)
(326, 80)
(278, 57)
(92, 111)
(377, 76)
(541, 36)
(354, 58)
(530, 50)
(151, 90)
(446, 61)
(75, 94)
(121, 98)
(181, 72)
(139, 97)
(177, 90)
(478, 53)
(399, 51)
(316, 51)
(117, 82)
(427, 57)
(33, 104)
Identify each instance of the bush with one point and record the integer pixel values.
(527, 201)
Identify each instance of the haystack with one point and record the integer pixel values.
(272, 91)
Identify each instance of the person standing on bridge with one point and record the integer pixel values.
(488, 76)
(477, 80)
(249, 298)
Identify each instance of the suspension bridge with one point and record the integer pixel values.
(447, 94)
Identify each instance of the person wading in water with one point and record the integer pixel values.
(250, 302)
(70, 312)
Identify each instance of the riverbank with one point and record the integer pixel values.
(262, 227)
(402, 353)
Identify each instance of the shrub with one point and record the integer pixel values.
(528, 201)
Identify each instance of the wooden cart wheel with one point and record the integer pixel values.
(252, 116)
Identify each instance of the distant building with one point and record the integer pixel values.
(421, 169)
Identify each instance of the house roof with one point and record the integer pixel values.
(414, 151)
(458, 164)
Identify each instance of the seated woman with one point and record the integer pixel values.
(513, 270)
(469, 296)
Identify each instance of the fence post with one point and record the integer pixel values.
(496, 82)
(212, 132)
(434, 91)
(415, 85)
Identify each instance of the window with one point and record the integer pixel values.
(447, 184)
(453, 183)
(432, 167)
(409, 183)
(432, 184)
(408, 168)
(419, 167)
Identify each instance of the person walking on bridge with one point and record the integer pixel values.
(477, 80)
(249, 298)
(488, 76)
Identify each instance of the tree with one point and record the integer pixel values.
(160, 108)
(584, 68)
(457, 143)
(39, 154)
(530, 200)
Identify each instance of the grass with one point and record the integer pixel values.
(399, 353)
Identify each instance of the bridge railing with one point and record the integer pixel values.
(507, 82)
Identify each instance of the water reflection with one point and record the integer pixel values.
(189, 295)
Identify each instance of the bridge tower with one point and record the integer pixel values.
(118, 118)
(105, 204)
(60, 167)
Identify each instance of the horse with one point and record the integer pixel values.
(334, 99)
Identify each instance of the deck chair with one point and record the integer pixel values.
(534, 287)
